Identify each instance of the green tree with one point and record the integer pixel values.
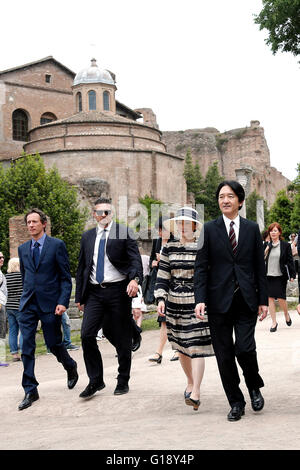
(251, 206)
(149, 201)
(295, 189)
(207, 195)
(28, 184)
(281, 212)
(189, 172)
(282, 20)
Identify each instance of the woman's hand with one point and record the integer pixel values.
(161, 308)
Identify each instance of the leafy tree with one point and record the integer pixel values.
(281, 212)
(295, 189)
(28, 184)
(189, 172)
(282, 19)
(148, 201)
(251, 206)
(207, 195)
(204, 190)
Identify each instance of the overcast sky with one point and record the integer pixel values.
(196, 63)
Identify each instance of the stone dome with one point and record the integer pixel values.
(93, 74)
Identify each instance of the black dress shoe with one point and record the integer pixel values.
(91, 389)
(72, 377)
(136, 342)
(121, 389)
(257, 400)
(29, 398)
(236, 413)
(194, 403)
(289, 322)
(274, 328)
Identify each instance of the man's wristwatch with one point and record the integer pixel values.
(136, 279)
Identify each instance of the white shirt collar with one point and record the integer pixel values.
(100, 228)
(236, 223)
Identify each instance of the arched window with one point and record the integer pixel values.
(92, 100)
(20, 125)
(79, 102)
(106, 97)
(47, 117)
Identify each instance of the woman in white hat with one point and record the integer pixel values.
(174, 293)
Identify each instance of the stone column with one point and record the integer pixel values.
(243, 176)
(260, 214)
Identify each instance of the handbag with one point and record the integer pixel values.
(148, 287)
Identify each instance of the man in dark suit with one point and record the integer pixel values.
(47, 286)
(230, 281)
(109, 272)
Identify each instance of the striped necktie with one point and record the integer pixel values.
(232, 237)
(100, 260)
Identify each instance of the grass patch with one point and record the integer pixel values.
(148, 324)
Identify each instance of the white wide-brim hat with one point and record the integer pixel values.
(184, 213)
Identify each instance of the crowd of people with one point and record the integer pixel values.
(210, 284)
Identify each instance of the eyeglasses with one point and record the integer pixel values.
(1, 257)
(102, 212)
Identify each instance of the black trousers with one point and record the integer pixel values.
(108, 308)
(51, 325)
(240, 320)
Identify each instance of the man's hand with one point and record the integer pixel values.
(200, 311)
(262, 312)
(60, 309)
(161, 308)
(132, 288)
(298, 309)
(80, 306)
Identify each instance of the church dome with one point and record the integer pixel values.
(93, 74)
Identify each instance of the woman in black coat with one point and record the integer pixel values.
(280, 268)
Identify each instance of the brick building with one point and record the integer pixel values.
(76, 124)
(103, 147)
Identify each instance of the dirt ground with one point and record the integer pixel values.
(153, 414)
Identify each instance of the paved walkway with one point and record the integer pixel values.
(153, 416)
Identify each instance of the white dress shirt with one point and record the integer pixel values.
(236, 226)
(111, 274)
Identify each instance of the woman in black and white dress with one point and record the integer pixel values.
(174, 293)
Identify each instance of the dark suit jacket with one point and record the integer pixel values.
(217, 269)
(286, 261)
(51, 281)
(122, 251)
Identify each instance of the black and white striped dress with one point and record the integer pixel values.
(175, 284)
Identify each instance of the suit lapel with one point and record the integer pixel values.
(91, 244)
(242, 234)
(44, 249)
(223, 235)
(29, 252)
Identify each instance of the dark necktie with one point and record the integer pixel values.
(232, 237)
(36, 253)
(100, 261)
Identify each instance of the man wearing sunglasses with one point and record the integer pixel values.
(108, 275)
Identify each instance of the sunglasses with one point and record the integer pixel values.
(102, 212)
(1, 257)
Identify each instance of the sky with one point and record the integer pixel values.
(196, 63)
